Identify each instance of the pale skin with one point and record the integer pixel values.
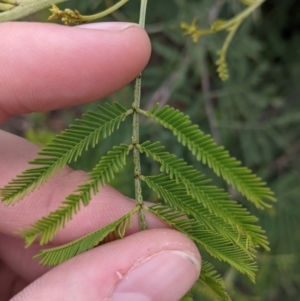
(46, 67)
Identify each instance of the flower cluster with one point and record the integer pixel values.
(194, 31)
(67, 16)
(231, 26)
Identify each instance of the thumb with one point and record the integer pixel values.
(153, 265)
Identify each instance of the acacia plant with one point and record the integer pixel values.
(188, 201)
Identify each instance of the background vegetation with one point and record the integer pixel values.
(255, 114)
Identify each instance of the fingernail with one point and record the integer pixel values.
(111, 26)
(167, 276)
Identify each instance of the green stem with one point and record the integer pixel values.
(135, 134)
(241, 16)
(229, 38)
(4, 7)
(104, 13)
(12, 2)
(143, 13)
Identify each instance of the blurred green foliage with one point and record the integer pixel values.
(255, 114)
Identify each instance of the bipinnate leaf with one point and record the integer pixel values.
(208, 152)
(113, 231)
(64, 149)
(212, 242)
(216, 200)
(102, 174)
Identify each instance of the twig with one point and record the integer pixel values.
(135, 133)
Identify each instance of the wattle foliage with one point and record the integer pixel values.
(189, 202)
(64, 149)
(220, 226)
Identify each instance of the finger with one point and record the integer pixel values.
(47, 66)
(150, 265)
(19, 263)
(10, 282)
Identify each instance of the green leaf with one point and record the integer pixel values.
(208, 152)
(64, 149)
(212, 283)
(175, 195)
(115, 230)
(102, 173)
(212, 242)
(26, 8)
(216, 200)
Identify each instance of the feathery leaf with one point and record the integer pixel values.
(102, 173)
(175, 195)
(208, 152)
(113, 231)
(216, 200)
(64, 149)
(213, 242)
(213, 283)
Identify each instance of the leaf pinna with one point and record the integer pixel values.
(102, 173)
(208, 152)
(64, 149)
(188, 201)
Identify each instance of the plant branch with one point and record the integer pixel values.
(104, 13)
(4, 6)
(12, 2)
(241, 16)
(21, 9)
(69, 16)
(135, 134)
(7, 5)
(117, 14)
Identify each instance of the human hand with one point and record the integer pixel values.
(46, 67)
